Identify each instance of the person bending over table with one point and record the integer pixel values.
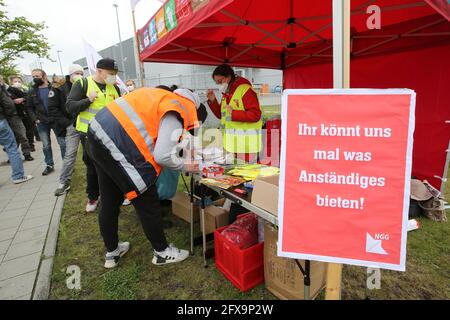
(130, 141)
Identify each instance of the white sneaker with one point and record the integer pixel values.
(23, 179)
(170, 255)
(126, 202)
(91, 206)
(112, 258)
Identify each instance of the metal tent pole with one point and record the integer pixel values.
(341, 79)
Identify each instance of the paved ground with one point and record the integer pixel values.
(27, 212)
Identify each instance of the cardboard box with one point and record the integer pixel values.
(215, 217)
(265, 193)
(283, 277)
(181, 207)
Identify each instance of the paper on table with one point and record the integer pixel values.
(210, 156)
(223, 182)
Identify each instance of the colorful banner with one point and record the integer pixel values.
(146, 38)
(345, 176)
(161, 23)
(153, 32)
(171, 16)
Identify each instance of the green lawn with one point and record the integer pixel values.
(79, 243)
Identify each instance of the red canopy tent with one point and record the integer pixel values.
(410, 50)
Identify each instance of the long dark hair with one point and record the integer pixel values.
(224, 70)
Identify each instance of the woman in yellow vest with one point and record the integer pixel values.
(87, 97)
(240, 113)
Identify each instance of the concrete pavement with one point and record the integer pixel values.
(29, 223)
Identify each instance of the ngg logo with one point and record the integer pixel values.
(382, 236)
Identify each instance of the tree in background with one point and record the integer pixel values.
(18, 36)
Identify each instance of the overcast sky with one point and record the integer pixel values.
(69, 21)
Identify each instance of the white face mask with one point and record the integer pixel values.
(223, 87)
(130, 88)
(110, 79)
(17, 85)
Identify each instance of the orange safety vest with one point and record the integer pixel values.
(139, 115)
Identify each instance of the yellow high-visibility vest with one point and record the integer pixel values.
(102, 100)
(240, 137)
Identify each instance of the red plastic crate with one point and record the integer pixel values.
(243, 267)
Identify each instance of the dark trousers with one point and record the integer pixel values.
(147, 206)
(18, 127)
(44, 132)
(92, 187)
(29, 128)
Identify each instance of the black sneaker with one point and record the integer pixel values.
(32, 148)
(62, 189)
(28, 157)
(47, 171)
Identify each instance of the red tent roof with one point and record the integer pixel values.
(285, 33)
(409, 50)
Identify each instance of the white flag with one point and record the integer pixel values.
(133, 4)
(92, 57)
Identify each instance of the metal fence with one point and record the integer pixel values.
(201, 82)
(204, 81)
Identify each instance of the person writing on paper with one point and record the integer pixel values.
(240, 113)
(130, 141)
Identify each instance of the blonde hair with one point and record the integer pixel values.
(14, 77)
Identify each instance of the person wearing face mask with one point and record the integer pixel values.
(130, 141)
(240, 113)
(76, 74)
(87, 98)
(17, 91)
(15, 122)
(8, 141)
(38, 99)
(131, 85)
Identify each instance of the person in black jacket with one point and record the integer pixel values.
(17, 125)
(57, 114)
(18, 94)
(7, 140)
(44, 107)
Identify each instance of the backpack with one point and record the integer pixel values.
(434, 209)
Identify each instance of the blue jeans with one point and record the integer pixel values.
(8, 141)
(44, 134)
